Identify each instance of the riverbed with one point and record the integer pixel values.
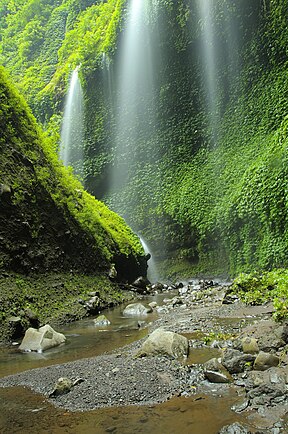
(178, 406)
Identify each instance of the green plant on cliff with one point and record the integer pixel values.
(41, 42)
(257, 288)
(221, 205)
(23, 136)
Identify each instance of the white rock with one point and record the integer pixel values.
(42, 339)
(136, 309)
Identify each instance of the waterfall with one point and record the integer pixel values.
(72, 131)
(133, 105)
(152, 273)
(208, 60)
(215, 58)
(107, 78)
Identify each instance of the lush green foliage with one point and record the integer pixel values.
(22, 135)
(234, 195)
(257, 288)
(43, 41)
(219, 200)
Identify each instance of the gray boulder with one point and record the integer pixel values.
(276, 376)
(267, 387)
(214, 365)
(141, 283)
(270, 341)
(162, 342)
(217, 377)
(282, 332)
(42, 339)
(92, 305)
(249, 345)
(112, 272)
(136, 309)
(4, 189)
(235, 361)
(265, 361)
(215, 372)
(101, 321)
(64, 385)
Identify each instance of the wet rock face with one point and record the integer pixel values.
(162, 342)
(41, 228)
(54, 246)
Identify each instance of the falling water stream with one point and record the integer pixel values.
(134, 111)
(152, 272)
(72, 131)
(219, 65)
(208, 58)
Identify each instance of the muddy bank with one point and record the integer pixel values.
(122, 379)
(54, 298)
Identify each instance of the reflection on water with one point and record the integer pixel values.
(202, 355)
(25, 412)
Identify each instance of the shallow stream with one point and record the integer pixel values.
(22, 411)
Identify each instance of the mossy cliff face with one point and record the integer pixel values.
(47, 221)
(209, 200)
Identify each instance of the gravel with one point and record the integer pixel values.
(108, 380)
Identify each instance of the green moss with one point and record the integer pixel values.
(42, 42)
(53, 298)
(21, 132)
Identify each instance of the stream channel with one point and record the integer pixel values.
(23, 411)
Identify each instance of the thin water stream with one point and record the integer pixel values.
(72, 130)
